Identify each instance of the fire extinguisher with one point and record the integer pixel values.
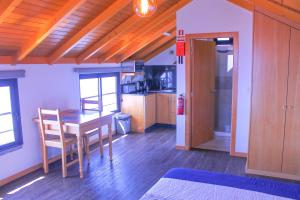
(180, 105)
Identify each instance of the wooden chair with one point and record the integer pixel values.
(55, 137)
(86, 140)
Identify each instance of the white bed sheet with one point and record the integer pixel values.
(175, 189)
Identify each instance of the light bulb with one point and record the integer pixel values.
(144, 8)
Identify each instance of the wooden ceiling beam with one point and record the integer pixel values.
(114, 34)
(7, 7)
(154, 45)
(62, 14)
(91, 26)
(164, 28)
(160, 49)
(145, 29)
(42, 60)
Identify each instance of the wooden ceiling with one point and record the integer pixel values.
(83, 31)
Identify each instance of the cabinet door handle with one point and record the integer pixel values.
(284, 107)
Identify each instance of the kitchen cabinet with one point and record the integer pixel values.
(166, 108)
(142, 110)
(275, 109)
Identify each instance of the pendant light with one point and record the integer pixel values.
(144, 8)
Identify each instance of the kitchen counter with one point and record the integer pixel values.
(152, 92)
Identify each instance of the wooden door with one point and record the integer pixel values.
(162, 108)
(291, 153)
(203, 62)
(269, 90)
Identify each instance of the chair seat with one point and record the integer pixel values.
(55, 142)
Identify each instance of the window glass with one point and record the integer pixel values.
(5, 105)
(91, 97)
(7, 137)
(229, 63)
(89, 87)
(10, 124)
(112, 107)
(108, 85)
(6, 123)
(109, 99)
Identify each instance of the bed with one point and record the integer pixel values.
(189, 184)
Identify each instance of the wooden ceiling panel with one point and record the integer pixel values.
(98, 20)
(156, 22)
(63, 31)
(71, 24)
(101, 31)
(154, 45)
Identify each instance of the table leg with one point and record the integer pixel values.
(80, 155)
(110, 140)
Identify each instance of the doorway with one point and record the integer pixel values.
(211, 74)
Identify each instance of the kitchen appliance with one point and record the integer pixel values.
(129, 88)
(132, 66)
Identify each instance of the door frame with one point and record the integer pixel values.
(188, 67)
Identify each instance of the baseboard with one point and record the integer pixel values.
(165, 125)
(239, 154)
(184, 148)
(27, 171)
(38, 166)
(273, 174)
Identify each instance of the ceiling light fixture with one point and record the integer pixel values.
(144, 8)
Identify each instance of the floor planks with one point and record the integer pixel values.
(139, 161)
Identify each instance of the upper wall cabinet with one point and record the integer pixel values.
(275, 109)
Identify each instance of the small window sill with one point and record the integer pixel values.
(11, 149)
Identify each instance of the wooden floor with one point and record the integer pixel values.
(139, 161)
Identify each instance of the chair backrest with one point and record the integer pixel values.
(50, 118)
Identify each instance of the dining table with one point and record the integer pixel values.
(78, 122)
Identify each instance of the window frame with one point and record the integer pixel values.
(15, 112)
(99, 76)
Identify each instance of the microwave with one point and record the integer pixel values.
(129, 88)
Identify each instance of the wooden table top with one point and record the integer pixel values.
(78, 117)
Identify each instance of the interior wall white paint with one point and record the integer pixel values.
(50, 86)
(166, 57)
(210, 16)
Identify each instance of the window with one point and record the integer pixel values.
(100, 92)
(229, 62)
(10, 123)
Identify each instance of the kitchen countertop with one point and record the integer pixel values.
(152, 92)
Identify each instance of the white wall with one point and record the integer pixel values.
(208, 16)
(167, 57)
(55, 86)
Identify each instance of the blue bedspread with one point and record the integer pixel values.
(288, 190)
